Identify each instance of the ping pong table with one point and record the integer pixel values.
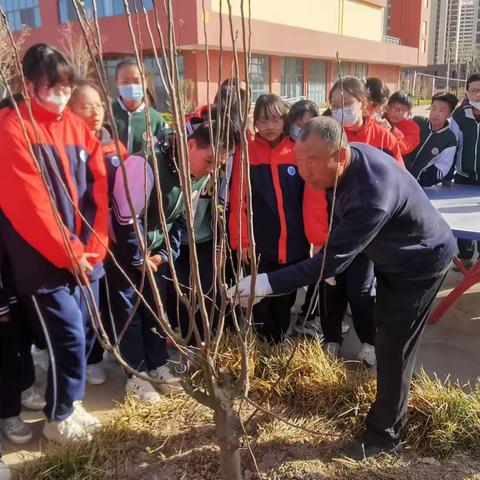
(459, 205)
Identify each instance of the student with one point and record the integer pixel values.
(44, 228)
(16, 365)
(287, 217)
(377, 98)
(397, 113)
(349, 108)
(466, 126)
(383, 213)
(348, 98)
(299, 114)
(434, 158)
(142, 346)
(129, 109)
(87, 103)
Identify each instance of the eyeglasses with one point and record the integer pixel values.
(90, 109)
(274, 122)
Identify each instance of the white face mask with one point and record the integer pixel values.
(55, 103)
(475, 105)
(348, 118)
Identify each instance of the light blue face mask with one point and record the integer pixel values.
(295, 132)
(132, 92)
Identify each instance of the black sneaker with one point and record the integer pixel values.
(360, 449)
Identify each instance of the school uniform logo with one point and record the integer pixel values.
(115, 161)
(291, 171)
(82, 154)
(145, 138)
(435, 151)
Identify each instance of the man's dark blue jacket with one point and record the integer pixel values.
(382, 212)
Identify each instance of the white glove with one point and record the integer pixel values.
(262, 289)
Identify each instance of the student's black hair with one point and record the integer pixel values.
(403, 98)
(7, 102)
(43, 63)
(78, 89)
(125, 62)
(298, 110)
(377, 91)
(270, 104)
(201, 133)
(473, 78)
(352, 85)
(446, 97)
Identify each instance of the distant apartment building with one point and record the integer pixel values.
(453, 31)
(293, 44)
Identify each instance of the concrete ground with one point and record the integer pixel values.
(450, 348)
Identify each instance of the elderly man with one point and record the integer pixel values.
(379, 211)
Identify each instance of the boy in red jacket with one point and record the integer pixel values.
(398, 112)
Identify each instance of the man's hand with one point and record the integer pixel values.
(5, 318)
(84, 265)
(262, 289)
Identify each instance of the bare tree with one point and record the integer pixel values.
(8, 66)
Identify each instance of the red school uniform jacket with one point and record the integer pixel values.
(39, 242)
(287, 215)
(407, 132)
(377, 136)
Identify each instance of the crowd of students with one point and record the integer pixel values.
(63, 201)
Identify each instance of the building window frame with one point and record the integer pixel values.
(317, 81)
(259, 75)
(22, 14)
(292, 77)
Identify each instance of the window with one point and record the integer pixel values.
(317, 85)
(425, 3)
(424, 27)
(22, 13)
(259, 76)
(292, 78)
(154, 81)
(361, 70)
(105, 8)
(424, 46)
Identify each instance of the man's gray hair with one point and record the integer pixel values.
(328, 129)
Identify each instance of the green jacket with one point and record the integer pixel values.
(140, 175)
(131, 126)
(467, 131)
(434, 158)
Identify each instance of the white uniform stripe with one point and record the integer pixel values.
(53, 364)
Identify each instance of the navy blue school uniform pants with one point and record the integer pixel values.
(142, 343)
(355, 286)
(64, 320)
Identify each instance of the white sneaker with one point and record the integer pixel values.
(16, 430)
(367, 355)
(142, 389)
(40, 358)
(170, 383)
(33, 398)
(64, 431)
(5, 473)
(86, 420)
(96, 374)
(332, 350)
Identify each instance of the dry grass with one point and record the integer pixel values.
(324, 402)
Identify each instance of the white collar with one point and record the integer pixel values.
(140, 108)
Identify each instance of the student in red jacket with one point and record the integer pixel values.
(287, 216)
(398, 112)
(54, 228)
(87, 103)
(348, 98)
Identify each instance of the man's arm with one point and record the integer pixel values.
(356, 230)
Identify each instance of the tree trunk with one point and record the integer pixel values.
(228, 432)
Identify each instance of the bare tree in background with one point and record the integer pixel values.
(8, 66)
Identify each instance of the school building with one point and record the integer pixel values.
(293, 44)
